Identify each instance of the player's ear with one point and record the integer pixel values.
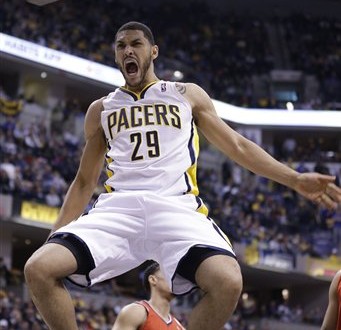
(155, 52)
(114, 51)
(152, 280)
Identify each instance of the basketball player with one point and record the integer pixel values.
(147, 131)
(332, 318)
(153, 314)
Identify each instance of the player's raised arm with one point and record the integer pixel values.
(90, 167)
(314, 186)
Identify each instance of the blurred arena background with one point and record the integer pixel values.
(274, 68)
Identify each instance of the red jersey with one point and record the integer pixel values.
(338, 325)
(155, 322)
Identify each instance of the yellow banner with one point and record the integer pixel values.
(324, 267)
(10, 108)
(39, 212)
(251, 254)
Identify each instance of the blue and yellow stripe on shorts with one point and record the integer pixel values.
(220, 232)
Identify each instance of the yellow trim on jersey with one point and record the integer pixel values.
(109, 173)
(108, 188)
(192, 171)
(138, 95)
(108, 160)
(203, 210)
(191, 175)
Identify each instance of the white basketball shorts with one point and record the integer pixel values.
(123, 230)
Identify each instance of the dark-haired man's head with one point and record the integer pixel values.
(135, 52)
(150, 270)
(155, 282)
(139, 27)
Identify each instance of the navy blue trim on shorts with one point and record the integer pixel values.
(219, 231)
(85, 261)
(80, 285)
(190, 262)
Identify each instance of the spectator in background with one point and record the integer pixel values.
(3, 324)
(289, 147)
(4, 273)
(321, 168)
(8, 170)
(52, 198)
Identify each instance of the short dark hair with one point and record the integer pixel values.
(140, 27)
(150, 270)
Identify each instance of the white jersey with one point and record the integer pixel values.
(153, 143)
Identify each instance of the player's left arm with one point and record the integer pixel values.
(330, 318)
(131, 317)
(314, 186)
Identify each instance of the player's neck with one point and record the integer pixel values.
(149, 79)
(161, 306)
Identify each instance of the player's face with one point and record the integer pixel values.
(134, 55)
(162, 284)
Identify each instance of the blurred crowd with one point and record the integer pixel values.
(254, 210)
(219, 51)
(314, 47)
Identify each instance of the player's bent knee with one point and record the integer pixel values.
(34, 269)
(234, 285)
(230, 285)
(224, 281)
(49, 263)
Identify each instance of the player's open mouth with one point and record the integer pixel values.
(131, 68)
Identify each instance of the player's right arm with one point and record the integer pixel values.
(131, 317)
(330, 318)
(89, 170)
